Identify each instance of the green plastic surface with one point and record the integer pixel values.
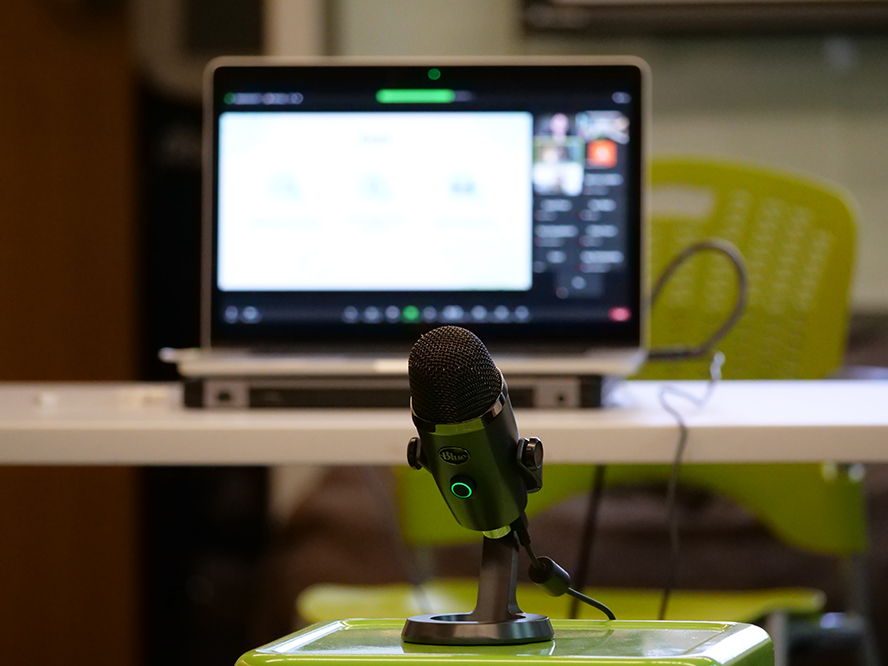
(350, 642)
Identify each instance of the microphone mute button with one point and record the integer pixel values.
(462, 486)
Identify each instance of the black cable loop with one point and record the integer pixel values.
(714, 245)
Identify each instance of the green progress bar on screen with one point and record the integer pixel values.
(415, 96)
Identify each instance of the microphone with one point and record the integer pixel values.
(469, 441)
(468, 438)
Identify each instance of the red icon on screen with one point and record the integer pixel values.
(602, 153)
(619, 314)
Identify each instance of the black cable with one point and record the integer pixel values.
(675, 354)
(555, 580)
(732, 253)
(680, 353)
(534, 562)
(672, 485)
(590, 525)
(579, 596)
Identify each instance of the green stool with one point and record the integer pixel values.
(577, 642)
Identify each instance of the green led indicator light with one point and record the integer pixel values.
(415, 96)
(461, 490)
(410, 313)
(434, 73)
(229, 98)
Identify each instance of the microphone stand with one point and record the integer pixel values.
(497, 619)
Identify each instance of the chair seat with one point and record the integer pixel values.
(327, 602)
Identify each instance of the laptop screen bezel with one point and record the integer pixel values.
(224, 73)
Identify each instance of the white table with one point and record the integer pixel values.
(144, 424)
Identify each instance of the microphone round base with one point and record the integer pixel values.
(461, 629)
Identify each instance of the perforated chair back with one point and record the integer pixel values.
(797, 237)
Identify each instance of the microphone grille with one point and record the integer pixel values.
(452, 377)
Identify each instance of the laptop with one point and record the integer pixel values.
(351, 205)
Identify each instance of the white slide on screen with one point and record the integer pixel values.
(386, 201)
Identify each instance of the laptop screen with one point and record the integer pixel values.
(366, 202)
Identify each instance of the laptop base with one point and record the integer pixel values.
(260, 392)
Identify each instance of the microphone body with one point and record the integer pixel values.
(469, 441)
(475, 464)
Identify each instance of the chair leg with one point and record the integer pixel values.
(860, 602)
(868, 652)
(777, 626)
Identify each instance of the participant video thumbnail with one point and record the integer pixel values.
(565, 145)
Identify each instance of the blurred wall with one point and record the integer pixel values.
(68, 548)
(810, 103)
(66, 181)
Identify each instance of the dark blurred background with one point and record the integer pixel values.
(100, 125)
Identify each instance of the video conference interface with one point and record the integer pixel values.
(435, 213)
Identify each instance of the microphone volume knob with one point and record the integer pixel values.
(531, 455)
(414, 453)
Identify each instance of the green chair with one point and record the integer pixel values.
(797, 237)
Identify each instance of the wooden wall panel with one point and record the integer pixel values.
(66, 194)
(68, 565)
(68, 537)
